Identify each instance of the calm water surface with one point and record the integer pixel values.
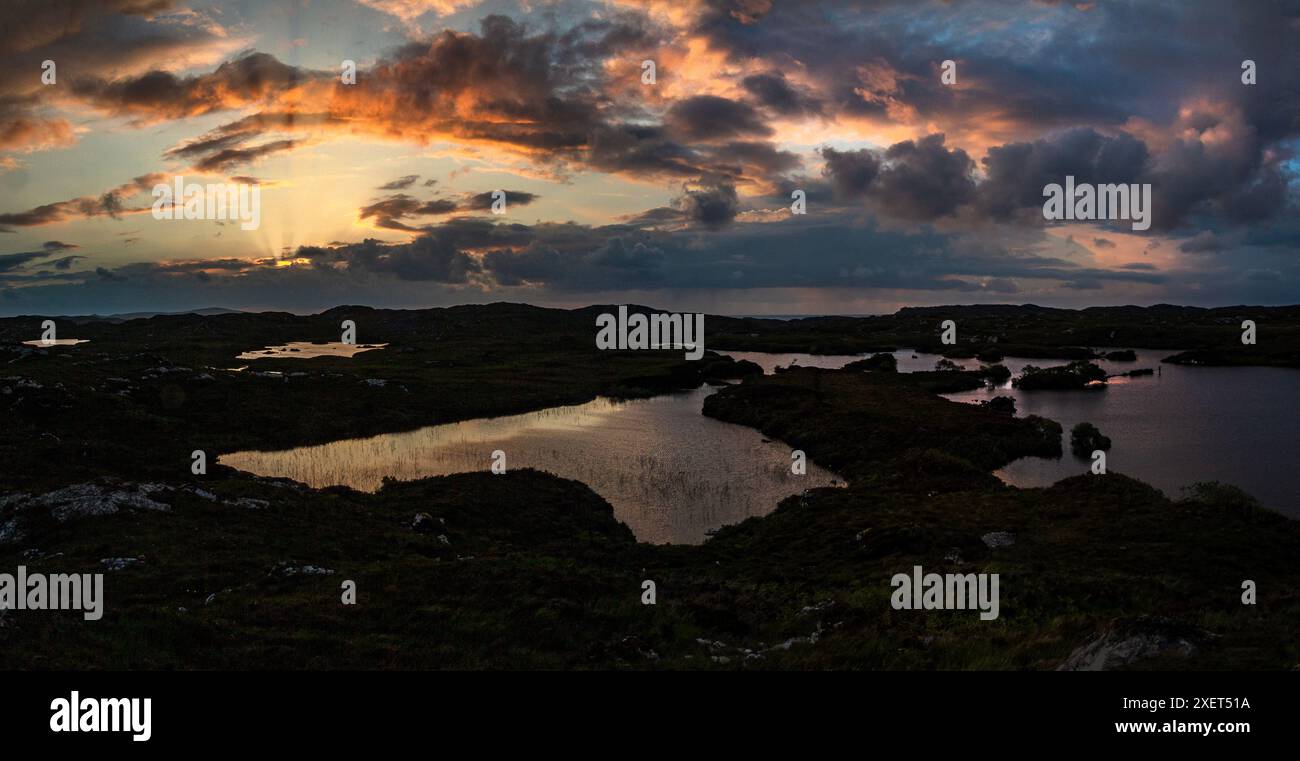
(57, 342)
(673, 475)
(307, 350)
(670, 473)
(1239, 425)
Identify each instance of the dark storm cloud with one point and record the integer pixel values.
(1047, 66)
(616, 34)
(1017, 172)
(641, 149)
(503, 84)
(430, 257)
(850, 172)
(714, 206)
(708, 117)
(913, 180)
(753, 162)
(573, 257)
(1090, 70)
(162, 95)
(924, 180)
(1203, 241)
(615, 260)
(1230, 179)
(1233, 180)
(773, 91)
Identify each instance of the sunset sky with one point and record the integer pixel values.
(674, 194)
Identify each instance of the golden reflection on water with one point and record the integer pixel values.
(307, 350)
(670, 473)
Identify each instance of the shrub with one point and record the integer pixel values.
(1085, 439)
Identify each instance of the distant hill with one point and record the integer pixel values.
(208, 312)
(1192, 335)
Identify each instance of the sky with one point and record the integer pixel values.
(919, 135)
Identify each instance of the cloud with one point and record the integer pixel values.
(1017, 172)
(409, 10)
(911, 180)
(714, 205)
(225, 159)
(709, 117)
(1107, 92)
(401, 183)
(772, 90)
(10, 262)
(1213, 168)
(479, 259)
(1201, 242)
(21, 132)
(122, 37)
(430, 257)
(550, 97)
(109, 203)
(851, 172)
(65, 262)
(388, 212)
(157, 95)
(484, 201)
(35, 23)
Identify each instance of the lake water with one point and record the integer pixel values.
(670, 473)
(57, 342)
(1238, 425)
(908, 361)
(307, 350)
(673, 475)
